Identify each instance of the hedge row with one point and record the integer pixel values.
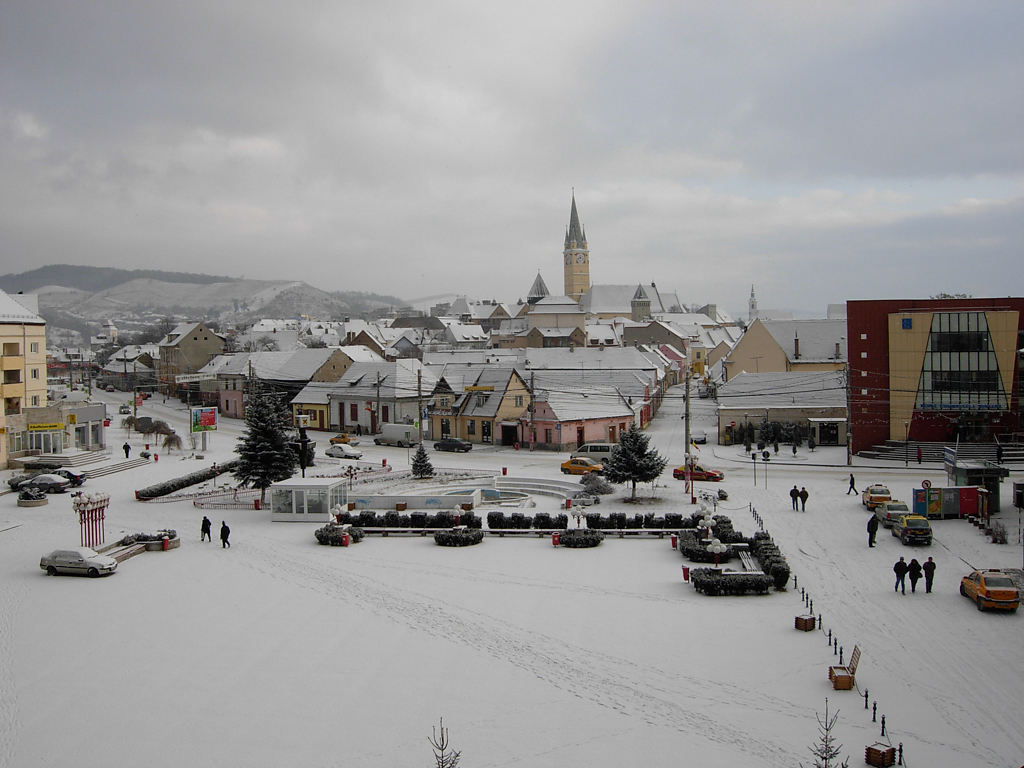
(367, 518)
(517, 521)
(333, 535)
(689, 546)
(711, 581)
(179, 483)
(459, 537)
(580, 538)
(141, 538)
(770, 559)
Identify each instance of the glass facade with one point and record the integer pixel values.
(960, 371)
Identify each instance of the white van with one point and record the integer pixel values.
(596, 451)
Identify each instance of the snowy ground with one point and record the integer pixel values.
(281, 652)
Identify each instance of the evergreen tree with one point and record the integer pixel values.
(421, 466)
(631, 461)
(264, 451)
(826, 751)
(443, 756)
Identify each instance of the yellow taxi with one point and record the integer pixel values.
(582, 466)
(991, 589)
(344, 438)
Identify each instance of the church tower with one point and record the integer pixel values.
(576, 256)
(751, 307)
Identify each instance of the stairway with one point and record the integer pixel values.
(898, 450)
(110, 469)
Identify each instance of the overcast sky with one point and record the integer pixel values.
(820, 151)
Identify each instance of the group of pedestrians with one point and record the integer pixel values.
(915, 571)
(225, 532)
(799, 497)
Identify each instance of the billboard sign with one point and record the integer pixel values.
(204, 419)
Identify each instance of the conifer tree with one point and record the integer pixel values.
(421, 466)
(265, 455)
(826, 751)
(632, 461)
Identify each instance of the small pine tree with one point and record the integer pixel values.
(443, 757)
(421, 466)
(826, 750)
(265, 455)
(631, 461)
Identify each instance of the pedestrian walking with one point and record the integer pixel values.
(853, 488)
(794, 494)
(804, 495)
(127, 449)
(914, 572)
(900, 569)
(225, 532)
(919, 456)
(929, 574)
(204, 529)
(872, 530)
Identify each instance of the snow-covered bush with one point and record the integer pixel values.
(459, 537)
(580, 538)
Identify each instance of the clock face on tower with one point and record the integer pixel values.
(580, 258)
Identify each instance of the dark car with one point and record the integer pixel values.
(17, 480)
(76, 478)
(453, 444)
(50, 483)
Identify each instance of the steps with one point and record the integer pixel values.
(109, 469)
(898, 450)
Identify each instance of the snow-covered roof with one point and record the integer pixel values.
(294, 365)
(13, 311)
(811, 389)
(605, 299)
(818, 338)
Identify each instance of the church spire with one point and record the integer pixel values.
(575, 233)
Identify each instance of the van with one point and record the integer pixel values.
(596, 451)
(402, 435)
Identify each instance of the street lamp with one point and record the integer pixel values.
(906, 443)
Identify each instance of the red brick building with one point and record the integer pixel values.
(934, 370)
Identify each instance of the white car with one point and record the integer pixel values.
(343, 451)
(80, 561)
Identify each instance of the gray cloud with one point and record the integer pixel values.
(820, 152)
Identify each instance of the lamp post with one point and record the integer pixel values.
(906, 443)
(716, 548)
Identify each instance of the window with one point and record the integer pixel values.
(12, 349)
(863, 337)
(353, 412)
(12, 377)
(444, 402)
(481, 400)
(446, 427)
(35, 401)
(35, 375)
(385, 414)
(16, 442)
(33, 346)
(518, 401)
(547, 435)
(471, 427)
(485, 431)
(960, 371)
(863, 373)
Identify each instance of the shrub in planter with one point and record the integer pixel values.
(690, 548)
(780, 576)
(596, 485)
(403, 521)
(560, 521)
(617, 520)
(580, 538)
(332, 535)
(470, 519)
(345, 517)
(673, 520)
(459, 537)
(391, 520)
(518, 521)
(595, 521)
(496, 520)
(418, 520)
(710, 581)
(441, 519)
(542, 520)
(367, 519)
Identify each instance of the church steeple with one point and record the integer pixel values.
(752, 306)
(576, 256)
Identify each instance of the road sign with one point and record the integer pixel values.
(926, 484)
(188, 378)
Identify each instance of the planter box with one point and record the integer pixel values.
(805, 623)
(467, 507)
(351, 506)
(880, 754)
(32, 502)
(401, 506)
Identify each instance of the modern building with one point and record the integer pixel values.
(23, 366)
(935, 370)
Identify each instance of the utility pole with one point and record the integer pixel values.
(533, 397)
(378, 399)
(686, 436)
(419, 401)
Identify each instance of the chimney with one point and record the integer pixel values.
(796, 347)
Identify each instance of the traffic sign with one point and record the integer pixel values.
(926, 484)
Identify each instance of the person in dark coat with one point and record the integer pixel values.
(853, 488)
(225, 532)
(804, 495)
(919, 454)
(872, 530)
(914, 572)
(127, 449)
(929, 574)
(204, 529)
(794, 494)
(900, 569)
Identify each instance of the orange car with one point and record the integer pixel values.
(582, 466)
(991, 589)
(344, 438)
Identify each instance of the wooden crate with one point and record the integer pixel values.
(805, 623)
(880, 754)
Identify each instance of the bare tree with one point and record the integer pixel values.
(443, 757)
(172, 441)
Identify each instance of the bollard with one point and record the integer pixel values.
(812, 606)
(865, 698)
(156, 457)
(883, 725)
(830, 636)
(901, 754)
(673, 538)
(819, 619)
(166, 543)
(874, 712)
(840, 655)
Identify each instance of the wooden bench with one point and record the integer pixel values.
(843, 677)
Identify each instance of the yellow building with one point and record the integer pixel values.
(23, 362)
(777, 346)
(576, 256)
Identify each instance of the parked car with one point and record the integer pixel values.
(582, 466)
(700, 437)
(912, 529)
(697, 472)
(17, 480)
(453, 444)
(991, 589)
(874, 495)
(110, 387)
(76, 478)
(124, 409)
(50, 483)
(343, 451)
(888, 511)
(344, 438)
(80, 561)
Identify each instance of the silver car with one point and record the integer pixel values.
(343, 451)
(80, 561)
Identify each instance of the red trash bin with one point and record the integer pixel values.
(166, 543)
(555, 539)
(383, 462)
(255, 503)
(504, 470)
(345, 539)
(673, 541)
(156, 457)
(686, 573)
(568, 503)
